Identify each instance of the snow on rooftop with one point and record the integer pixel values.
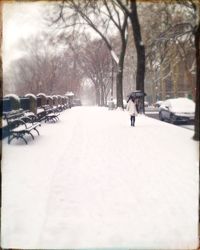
(93, 181)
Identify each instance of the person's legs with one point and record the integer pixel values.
(132, 120)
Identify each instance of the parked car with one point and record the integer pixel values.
(177, 110)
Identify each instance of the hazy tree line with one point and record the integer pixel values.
(151, 47)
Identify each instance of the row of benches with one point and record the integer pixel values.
(20, 122)
(48, 113)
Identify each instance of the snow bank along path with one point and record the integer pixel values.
(91, 180)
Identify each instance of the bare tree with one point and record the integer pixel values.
(130, 8)
(97, 66)
(174, 46)
(43, 67)
(34, 70)
(99, 15)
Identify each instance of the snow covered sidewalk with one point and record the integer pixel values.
(93, 181)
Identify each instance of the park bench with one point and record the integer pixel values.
(20, 124)
(41, 114)
(51, 114)
(47, 113)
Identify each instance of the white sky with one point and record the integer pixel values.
(20, 20)
(97, 182)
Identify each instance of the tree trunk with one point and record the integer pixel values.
(163, 87)
(102, 95)
(119, 81)
(197, 47)
(97, 93)
(191, 81)
(119, 78)
(140, 74)
(119, 87)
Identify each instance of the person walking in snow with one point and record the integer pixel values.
(132, 109)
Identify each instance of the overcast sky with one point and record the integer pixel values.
(20, 20)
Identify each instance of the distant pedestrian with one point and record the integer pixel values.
(132, 109)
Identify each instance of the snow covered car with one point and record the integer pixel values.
(158, 104)
(177, 110)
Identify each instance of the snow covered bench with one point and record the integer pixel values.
(51, 114)
(47, 113)
(52, 117)
(21, 124)
(41, 113)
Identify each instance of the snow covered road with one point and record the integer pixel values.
(91, 181)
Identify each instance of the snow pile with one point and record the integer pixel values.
(14, 96)
(31, 95)
(42, 94)
(93, 181)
